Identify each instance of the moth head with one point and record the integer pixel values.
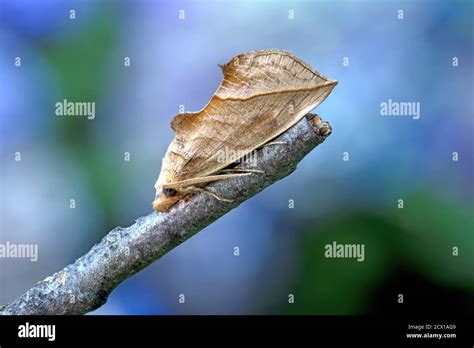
(166, 197)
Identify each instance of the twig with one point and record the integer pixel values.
(85, 285)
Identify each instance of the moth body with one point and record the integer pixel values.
(262, 94)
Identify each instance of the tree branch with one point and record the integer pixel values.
(85, 285)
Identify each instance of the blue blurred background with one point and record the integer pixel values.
(173, 62)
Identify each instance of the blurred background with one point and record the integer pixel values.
(173, 48)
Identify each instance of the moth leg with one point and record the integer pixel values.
(275, 143)
(195, 189)
(242, 170)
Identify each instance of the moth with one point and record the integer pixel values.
(263, 94)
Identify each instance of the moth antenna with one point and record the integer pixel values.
(221, 66)
(202, 180)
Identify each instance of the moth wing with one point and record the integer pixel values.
(184, 124)
(262, 95)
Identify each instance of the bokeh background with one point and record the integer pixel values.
(173, 62)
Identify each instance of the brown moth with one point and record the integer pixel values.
(262, 95)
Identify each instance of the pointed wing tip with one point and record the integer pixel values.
(331, 83)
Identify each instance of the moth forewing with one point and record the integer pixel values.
(262, 95)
